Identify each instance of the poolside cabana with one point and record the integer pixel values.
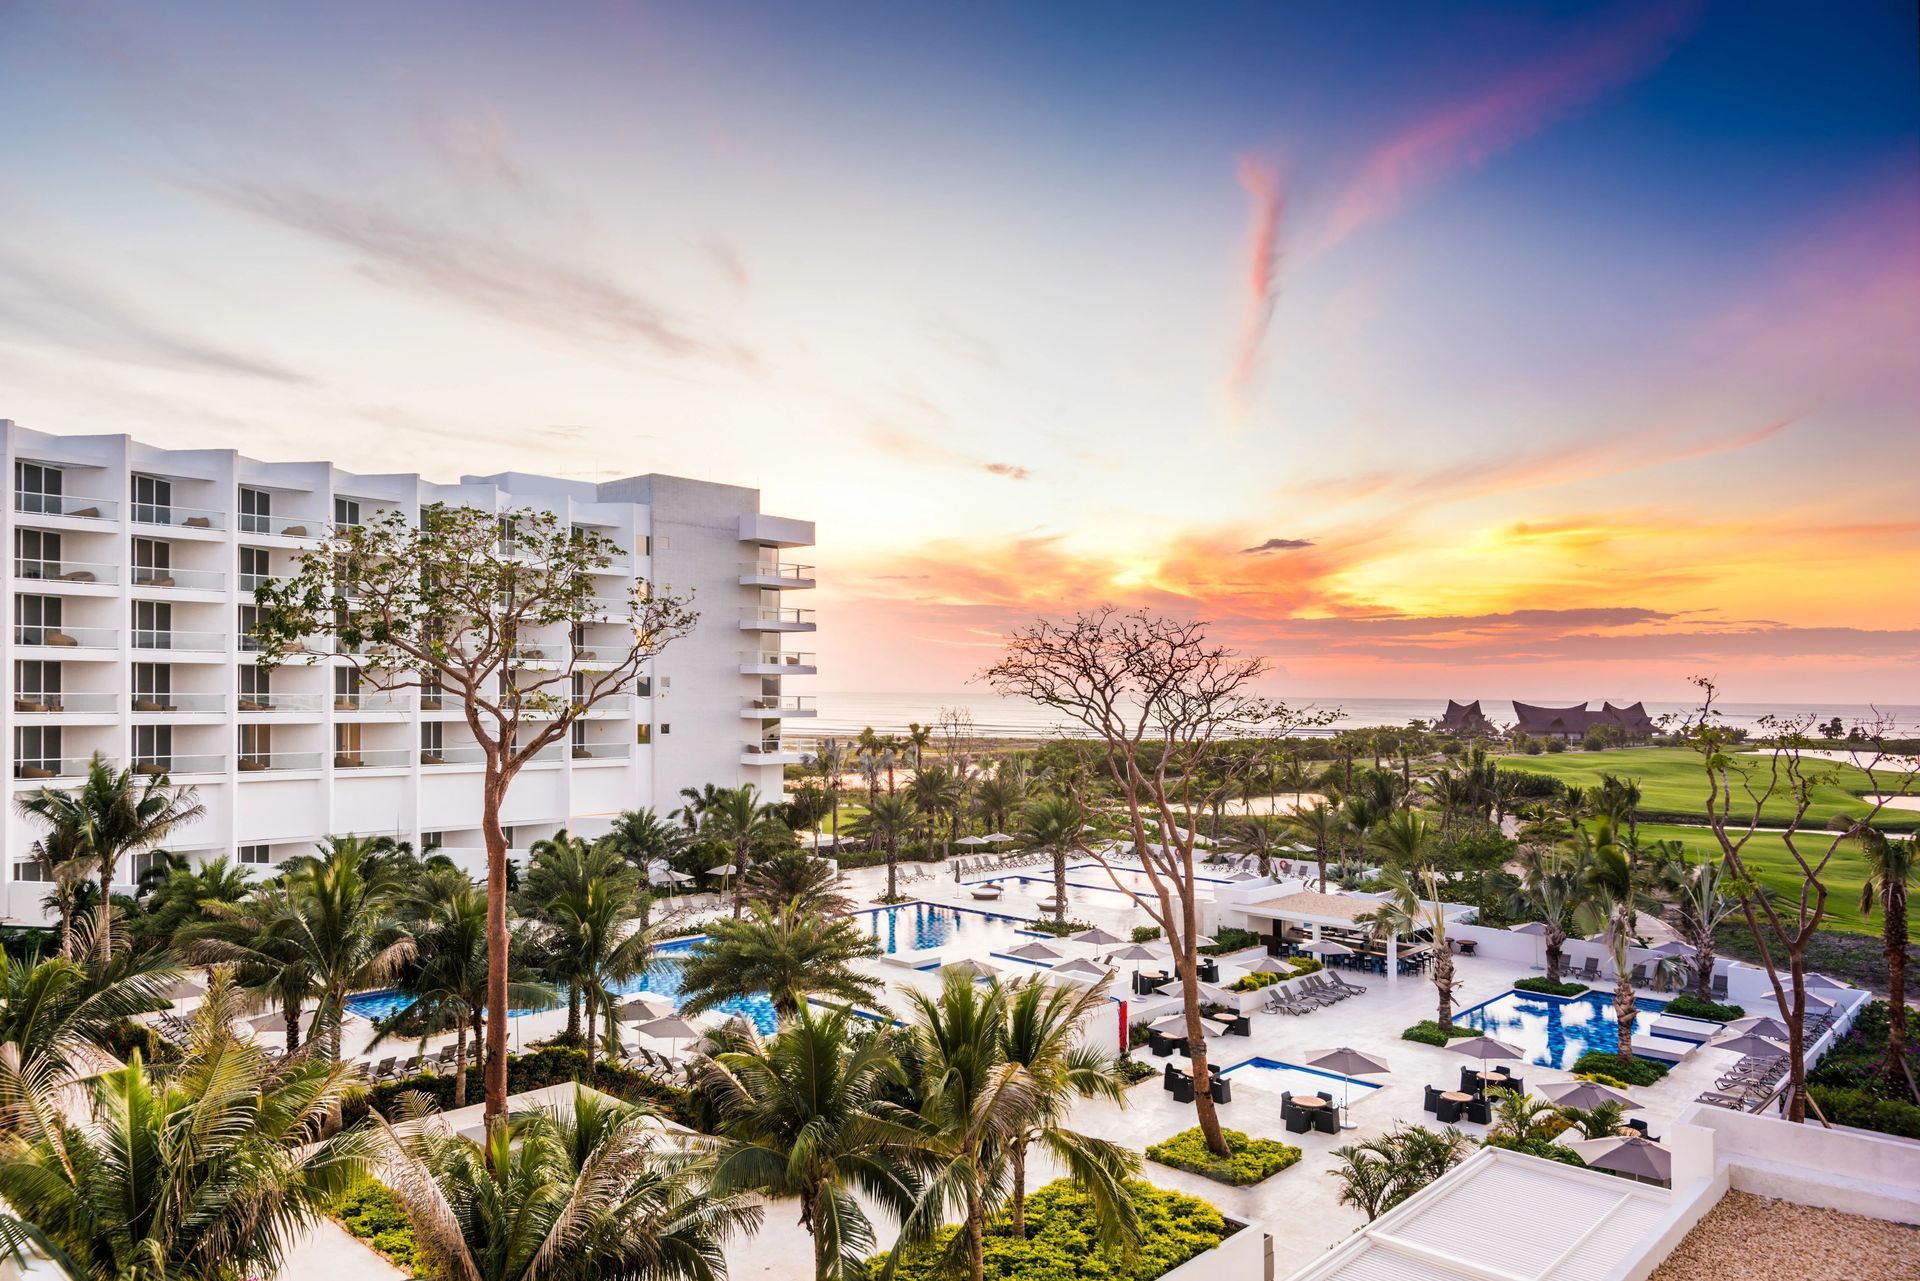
(1308, 918)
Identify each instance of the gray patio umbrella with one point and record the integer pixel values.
(1675, 948)
(1205, 940)
(1748, 1043)
(1347, 1062)
(644, 1006)
(1326, 947)
(995, 838)
(1530, 927)
(1176, 1025)
(971, 967)
(1484, 1048)
(1640, 1157)
(1210, 993)
(182, 989)
(1096, 936)
(1760, 1025)
(1584, 1094)
(725, 869)
(973, 842)
(1273, 965)
(1821, 980)
(1136, 952)
(1089, 969)
(672, 1029)
(1036, 952)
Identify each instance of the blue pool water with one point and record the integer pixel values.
(1277, 1077)
(1555, 1033)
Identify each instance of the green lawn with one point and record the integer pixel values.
(1674, 785)
(1766, 857)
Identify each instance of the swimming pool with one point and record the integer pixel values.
(911, 927)
(1277, 1077)
(1555, 1032)
(1090, 885)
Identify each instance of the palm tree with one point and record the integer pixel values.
(562, 1194)
(1044, 1023)
(1001, 793)
(1382, 1172)
(643, 838)
(784, 951)
(829, 761)
(182, 898)
(112, 814)
(746, 827)
(1890, 870)
(1602, 1120)
(213, 1170)
(582, 896)
(1522, 1118)
(1256, 835)
(1411, 905)
(797, 877)
(1618, 801)
(1319, 826)
(1403, 838)
(1551, 896)
(341, 928)
(804, 1114)
(257, 939)
(888, 819)
(69, 863)
(917, 739)
(1053, 824)
(1702, 901)
(934, 791)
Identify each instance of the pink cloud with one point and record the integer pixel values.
(1261, 181)
(1464, 134)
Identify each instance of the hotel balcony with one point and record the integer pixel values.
(59, 703)
(186, 580)
(280, 762)
(173, 516)
(180, 642)
(65, 506)
(49, 769)
(778, 576)
(771, 751)
(768, 618)
(600, 753)
(262, 704)
(777, 662)
(76, 573)
(782, 705)
(375, 758)
(175, 764)
(249, 582)
(185, 704)
(371, 701)
(298, 527)
(102, 641)
(447, 757)
(776, 531)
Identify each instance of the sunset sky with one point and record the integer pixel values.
(1536, 350)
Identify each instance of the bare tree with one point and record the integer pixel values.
(1165, 705)
(1744, 779)
(489, 610)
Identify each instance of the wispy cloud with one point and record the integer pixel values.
(726, 258)
(1010, 470)
(1463, 134)
(64, 310)
(1277, 545)
(1261, 181)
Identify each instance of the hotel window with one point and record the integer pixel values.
(32, 869)
(256, 745)
(643, 686)
(36, 554)
(430, 694)
(433, 743)
(256, 688)
(248, 620)
(152, 687)
(346, 512)
(256, 510)
(346, 743)
(646, 544)
(254, 567)
(153, 562)
(153, 746)
(346, 689)
(579, 729)
(146, 861)
(36, 686)
(36, 751)
(430, 841)
(152, 500)
(37, 487)
(256, 855)
(39, 618)
(152, 624)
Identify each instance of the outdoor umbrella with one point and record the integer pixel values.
(1176, 1025)
(969, 966)
(182, 989)
(1136, 952)
(644, 1006)
(1584, 1094)
(1821, 980)
(1761, 1025)
(1096, 936)
(1088, 968)
(1484, 1048)
(1273, 965)
(1348, 1062)
(995, 838)
(1326, 947)
(1748, 1043)
(973, 841)
(1243, 876)
(1036, 952)
(1208, 992)
(1640, 1157)
(1205, 940)
(1675, 947)
(672, 1029)
(725, 869)
(1531, 927)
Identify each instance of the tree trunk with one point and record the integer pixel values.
(290, 1011)
(1020, 1189)
(1059, 885)
(496, 1051)
(103, 944)
(1624, 1010)
(1797, 1037)
(573, 1011)
(893, 865)
(976, 1236)
(460, 1064)
(1443, 979)
(1893, 938)
(66, 927)
(1703, 967)
(739, 879)
(1555, 954)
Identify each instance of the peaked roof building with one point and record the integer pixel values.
(1464, 718)
(1574, 722)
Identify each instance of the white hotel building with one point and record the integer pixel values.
(129, 582)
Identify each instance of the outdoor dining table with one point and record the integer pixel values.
(1309, 1101)
(1457, 1096)
(1495, 1076)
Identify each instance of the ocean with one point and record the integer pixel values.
(844, 713)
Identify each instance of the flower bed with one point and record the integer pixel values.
(1059, 929)
(1062, 1242)
(372, 1213)
(1550, 989)
(1429, 1032)
(1858, 1083)
(1635, 1071)
(1252, 1159)
(1688, 1006)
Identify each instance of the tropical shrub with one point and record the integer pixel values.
(1306, 965)
(1550, 989)
(1251, 1160)
(548, 1066)
(1063, 1245)
(1866, 1111)
(1601, 1078)
(1059, 929)
(1134, 1070)
(1546, 1149)
(126, 1036)
(1859, 1079)
(1634, 1071)
(1145, 933)
(1689, 1006)
(1230, 938)
(370, 1212)
(1382, 1172)
(1429, 1032)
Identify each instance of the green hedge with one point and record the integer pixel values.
(1634, 1071)
(1059, 929)
(549, 1066)
(1230, 938)
(1252, 1159)
(1134, 1070)
(1255, 981)
(1864, 1111)
(1062, 1243)
(371, 1212)
(1688, 1006)
(1429, 1032)
(1145, 933)
(1550, 989)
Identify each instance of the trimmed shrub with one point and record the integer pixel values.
(1306, 965)
(1255, 981)
(1062, 1241)
(1229, 938)
(1145, 933)
(371, 1212)
(1688, 1006)
(1601, 1078)
(1429, 1032)
(1252, 1159)
(1634, 1071)
(1864, 1111)
(1550, 989)
(1046, 925)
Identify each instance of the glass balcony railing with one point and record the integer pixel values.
(65, 571)
(601, 752)
(776, 658)
(156, 704)
(374, 758)
(431, 757)
(249, 582)
(196, 580)
(281, 526)
(62, 703)
(280, 702)
(777, 571)
(72, 506)
(370, 701)
(774, 617)
(49, 767)
(173, 763)
(777, 703)
(279, 762)
(176, 517)
(190, 642)
(65, 637)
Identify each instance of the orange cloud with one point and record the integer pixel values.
(1261, 182)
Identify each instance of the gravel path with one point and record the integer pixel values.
(1756, 1239)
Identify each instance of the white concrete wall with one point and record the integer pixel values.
(1244, 1256)
(1837, 1168)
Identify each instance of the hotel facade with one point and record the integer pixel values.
(128, 602)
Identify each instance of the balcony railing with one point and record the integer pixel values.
(72, 506)
(279, 762)
(777, 703)
(766, 747)
(64, 571)
(176, 517)
(613, 608)
(195, 580)
(281, 526)
(189, 642)
(46, 768)
(777, 571)
(601, 752)
(176, 763)
(775, 658)
(281, 703)
(375, 758)
(775, 617)
(60, 703)
(370, 701)
(145, 704)
(249, 582)
(65, 637)
(430, 757)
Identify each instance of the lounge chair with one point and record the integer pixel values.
(1351, 989)
(1639, 976)
(1480, 1112)
(381, 1070)
(1719, 987)
(1590, 972)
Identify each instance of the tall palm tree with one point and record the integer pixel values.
(829, 761)
(643, 838)
(797, 877)
(889, 818)
(562, 1194)
(1043, 1031)
(213, 1170)
(1550, 895)
(804, 1114)
(746, 826)
(1257, 836)
(784, 951)
(342, 928)
(1890, 871)
(918, 739)
(1412, 905)
(70, 863)
(1053, 823)
(1001, 793)
(181, 899)
(258, 938)
(112, 814)
(1403, 839)
(937, 791)
(1703, 898)
(1319, 826)
(582, 895)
